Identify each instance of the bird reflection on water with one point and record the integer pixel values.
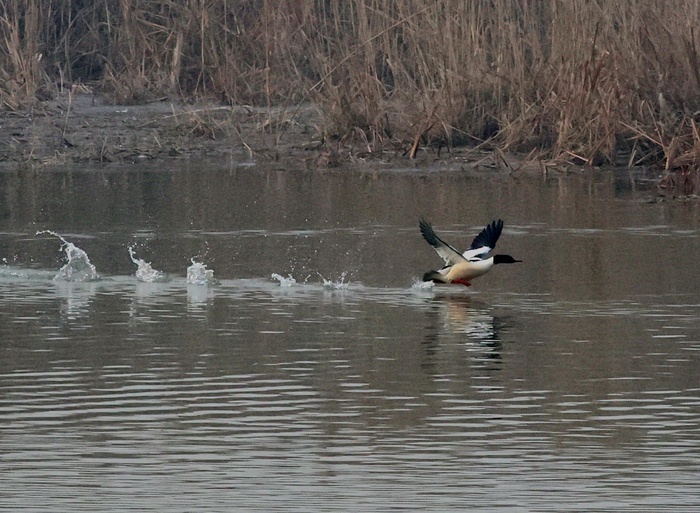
(476, 329)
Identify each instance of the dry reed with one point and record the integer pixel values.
(574, 80)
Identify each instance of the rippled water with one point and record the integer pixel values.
(568, 382)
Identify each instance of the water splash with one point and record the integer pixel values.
(145, 271)
(335, 285)
(422, 285)
(78, 267)
(8, 271)
(198, 274)
(284, 282)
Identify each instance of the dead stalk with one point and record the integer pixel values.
(576, 78)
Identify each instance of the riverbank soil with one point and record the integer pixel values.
(81, 127)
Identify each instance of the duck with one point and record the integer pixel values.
(462, 268)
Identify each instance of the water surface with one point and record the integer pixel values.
(567, 382)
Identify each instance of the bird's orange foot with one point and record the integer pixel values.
(462, 282)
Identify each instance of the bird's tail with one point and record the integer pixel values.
(433, 276)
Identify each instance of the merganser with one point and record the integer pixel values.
(462, 268)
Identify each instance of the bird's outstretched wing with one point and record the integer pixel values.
(449, 254)
(485, 241)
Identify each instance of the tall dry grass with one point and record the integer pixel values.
(571, 79)
(567, 79)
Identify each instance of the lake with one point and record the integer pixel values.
(247, 338)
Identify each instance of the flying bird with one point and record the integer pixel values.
(461, 268)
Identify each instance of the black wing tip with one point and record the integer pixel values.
(426, 230)
(489, 235)
(496, 225)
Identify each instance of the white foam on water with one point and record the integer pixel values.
(7, 271)
(78, 267)
(336, 285)
(422, 285)
(198, 274)
(145, 271)
(289, 281)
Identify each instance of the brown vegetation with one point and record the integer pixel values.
(575, 80)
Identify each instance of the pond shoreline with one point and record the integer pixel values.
(80, 127)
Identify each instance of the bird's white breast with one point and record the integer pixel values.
(469, 270)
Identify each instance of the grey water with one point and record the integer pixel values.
(184, 377)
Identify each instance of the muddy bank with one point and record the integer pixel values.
(81, 127)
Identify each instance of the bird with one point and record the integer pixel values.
(462, 268)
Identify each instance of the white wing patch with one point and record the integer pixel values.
(449, 254)
(474, 255)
